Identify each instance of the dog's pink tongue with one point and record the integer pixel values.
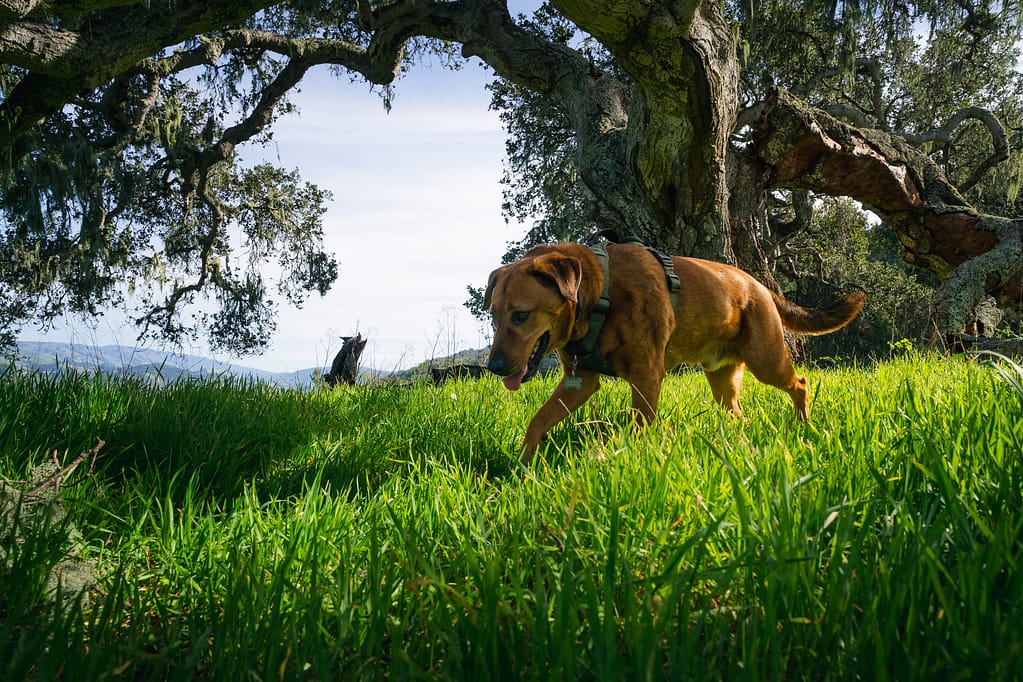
(513, 382)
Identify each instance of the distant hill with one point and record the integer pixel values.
(165, 366)
(464, 357)
(47, 356)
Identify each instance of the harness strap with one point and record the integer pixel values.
(585, 350)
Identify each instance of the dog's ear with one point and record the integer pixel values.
(491, 283)
(565, 271)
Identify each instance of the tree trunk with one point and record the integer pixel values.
(683, 59)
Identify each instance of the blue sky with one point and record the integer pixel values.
(416, 217)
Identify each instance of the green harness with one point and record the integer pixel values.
(585, 352)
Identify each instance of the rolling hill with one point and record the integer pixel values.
(166, 366)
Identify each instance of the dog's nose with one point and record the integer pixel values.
(497, 366)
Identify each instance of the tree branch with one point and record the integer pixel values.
(255, 122)
(62, 63)
(943, 136)
(38, 47)
(876, 118)
(595, 104)
(867, 66)
(21, 9)
(213, 46)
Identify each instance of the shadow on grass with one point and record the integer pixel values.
(212, 438)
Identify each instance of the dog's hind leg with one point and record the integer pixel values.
(775, 369)
(726, 384)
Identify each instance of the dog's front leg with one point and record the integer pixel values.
(645, 395)
(563, 402)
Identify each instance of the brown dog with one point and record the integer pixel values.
(724, 321)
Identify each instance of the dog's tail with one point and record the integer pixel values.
(812, 321)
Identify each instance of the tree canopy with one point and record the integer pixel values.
(705, 128)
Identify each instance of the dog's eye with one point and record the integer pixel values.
(519, 317)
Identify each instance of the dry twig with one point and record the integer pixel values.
(56, 479)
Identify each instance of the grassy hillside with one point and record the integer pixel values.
(230, 530)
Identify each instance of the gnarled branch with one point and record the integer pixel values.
(943, 136)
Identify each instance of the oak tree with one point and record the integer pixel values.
(684, 122)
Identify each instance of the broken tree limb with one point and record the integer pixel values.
(974, 254)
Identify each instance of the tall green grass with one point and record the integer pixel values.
(236, 531)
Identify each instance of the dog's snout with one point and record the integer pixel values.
(498, 366)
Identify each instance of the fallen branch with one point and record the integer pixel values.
(1008, 347)
(56, 479)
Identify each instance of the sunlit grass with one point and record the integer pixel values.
(239, 531)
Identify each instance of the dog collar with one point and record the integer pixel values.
(585, 352)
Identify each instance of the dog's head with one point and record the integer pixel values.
(533, 303)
